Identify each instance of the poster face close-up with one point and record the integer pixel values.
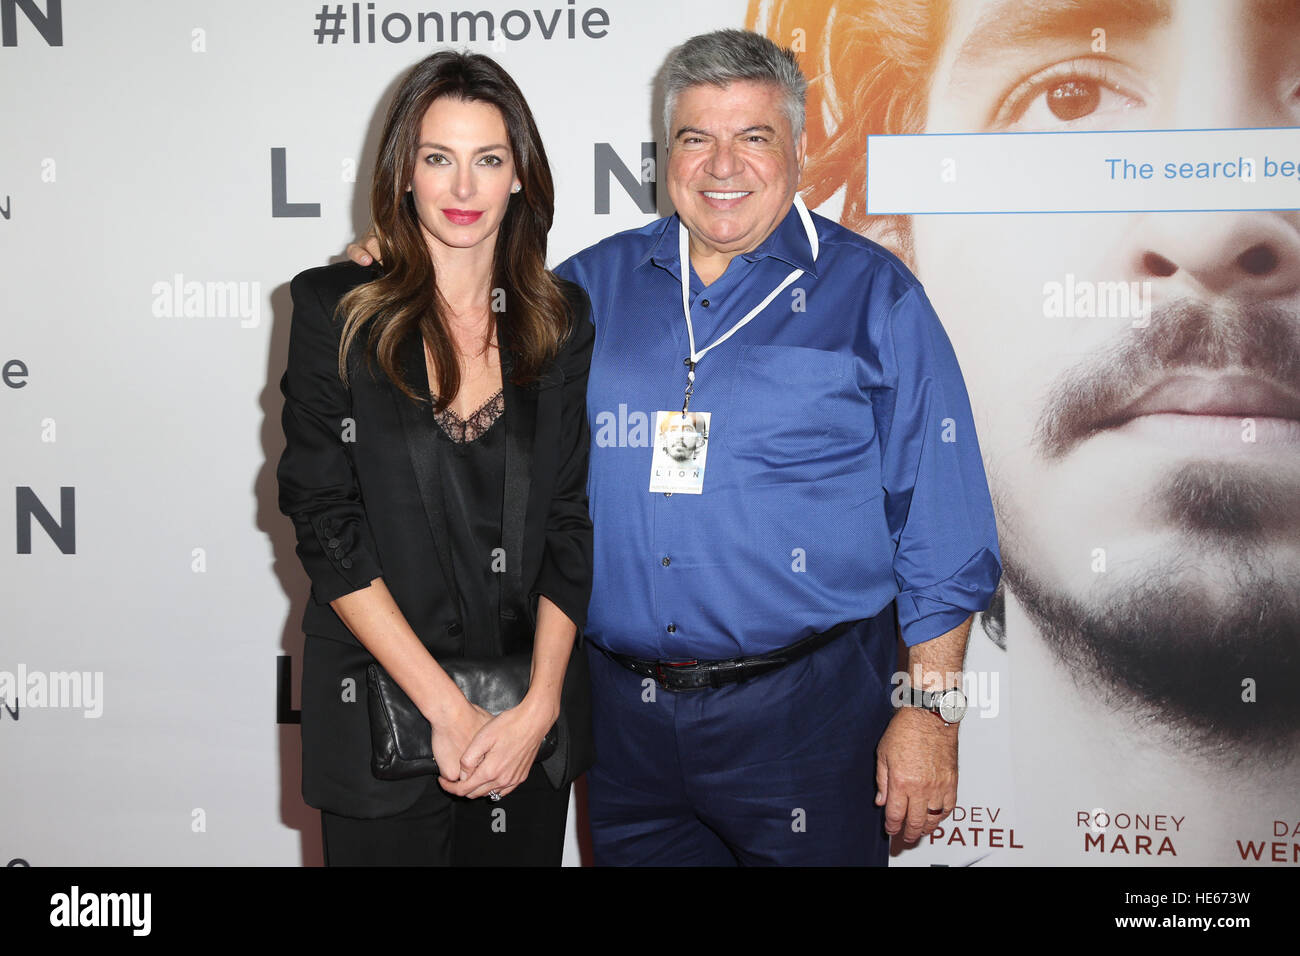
(1101, 204)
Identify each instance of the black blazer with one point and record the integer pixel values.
(358, 479)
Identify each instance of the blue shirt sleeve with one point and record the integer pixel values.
(937, 504)
(570, 270)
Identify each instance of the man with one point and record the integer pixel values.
(829, 491)
(1144, 472)
(743, 633)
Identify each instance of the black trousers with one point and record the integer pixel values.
(526, 828)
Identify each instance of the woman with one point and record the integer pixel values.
(435, 471)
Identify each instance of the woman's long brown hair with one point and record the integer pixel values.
(405, 300)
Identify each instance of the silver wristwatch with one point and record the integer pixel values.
(949, 705)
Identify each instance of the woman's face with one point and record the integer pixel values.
(464, 174)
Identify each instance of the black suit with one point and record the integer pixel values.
(358, 478)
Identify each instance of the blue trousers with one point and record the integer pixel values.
(776, 770)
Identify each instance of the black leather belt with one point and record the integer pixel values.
(694, 674)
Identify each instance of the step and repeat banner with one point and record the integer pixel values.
(1100, 198)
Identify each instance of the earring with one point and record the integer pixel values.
(515, 189)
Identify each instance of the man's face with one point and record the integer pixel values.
(733, 164)
(1146, 479)
(680, 438)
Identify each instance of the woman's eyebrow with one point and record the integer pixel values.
(448, 149)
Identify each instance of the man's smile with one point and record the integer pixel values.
(719, 199)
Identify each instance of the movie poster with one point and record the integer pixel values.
(1100, 199)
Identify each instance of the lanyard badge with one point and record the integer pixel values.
(681, 438)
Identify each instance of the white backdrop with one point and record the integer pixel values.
(137, 150)
(146, 258)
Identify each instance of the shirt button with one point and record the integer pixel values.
(704, 302)
(666, 561)
(672, 628)
(454, 628)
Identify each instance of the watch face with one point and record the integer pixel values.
(952, 705)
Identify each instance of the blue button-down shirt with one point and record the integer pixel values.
(842, 470)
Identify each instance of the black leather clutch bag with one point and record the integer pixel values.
(401, 739)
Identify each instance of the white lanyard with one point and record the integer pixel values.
(683, 260)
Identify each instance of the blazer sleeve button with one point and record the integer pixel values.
(346, 562)
(454, 628)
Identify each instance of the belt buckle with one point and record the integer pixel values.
(659, 670)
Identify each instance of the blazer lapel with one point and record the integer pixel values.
(521, 421)
(421, 443)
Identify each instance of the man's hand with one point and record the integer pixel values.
(366, 251)
(916, 771)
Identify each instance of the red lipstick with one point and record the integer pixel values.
(462, 217)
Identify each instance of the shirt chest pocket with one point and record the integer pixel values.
(787, 404)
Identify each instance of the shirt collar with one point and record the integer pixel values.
(787, 242)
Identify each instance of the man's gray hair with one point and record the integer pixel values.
(725, 56)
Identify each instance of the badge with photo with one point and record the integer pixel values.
(680, 447)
